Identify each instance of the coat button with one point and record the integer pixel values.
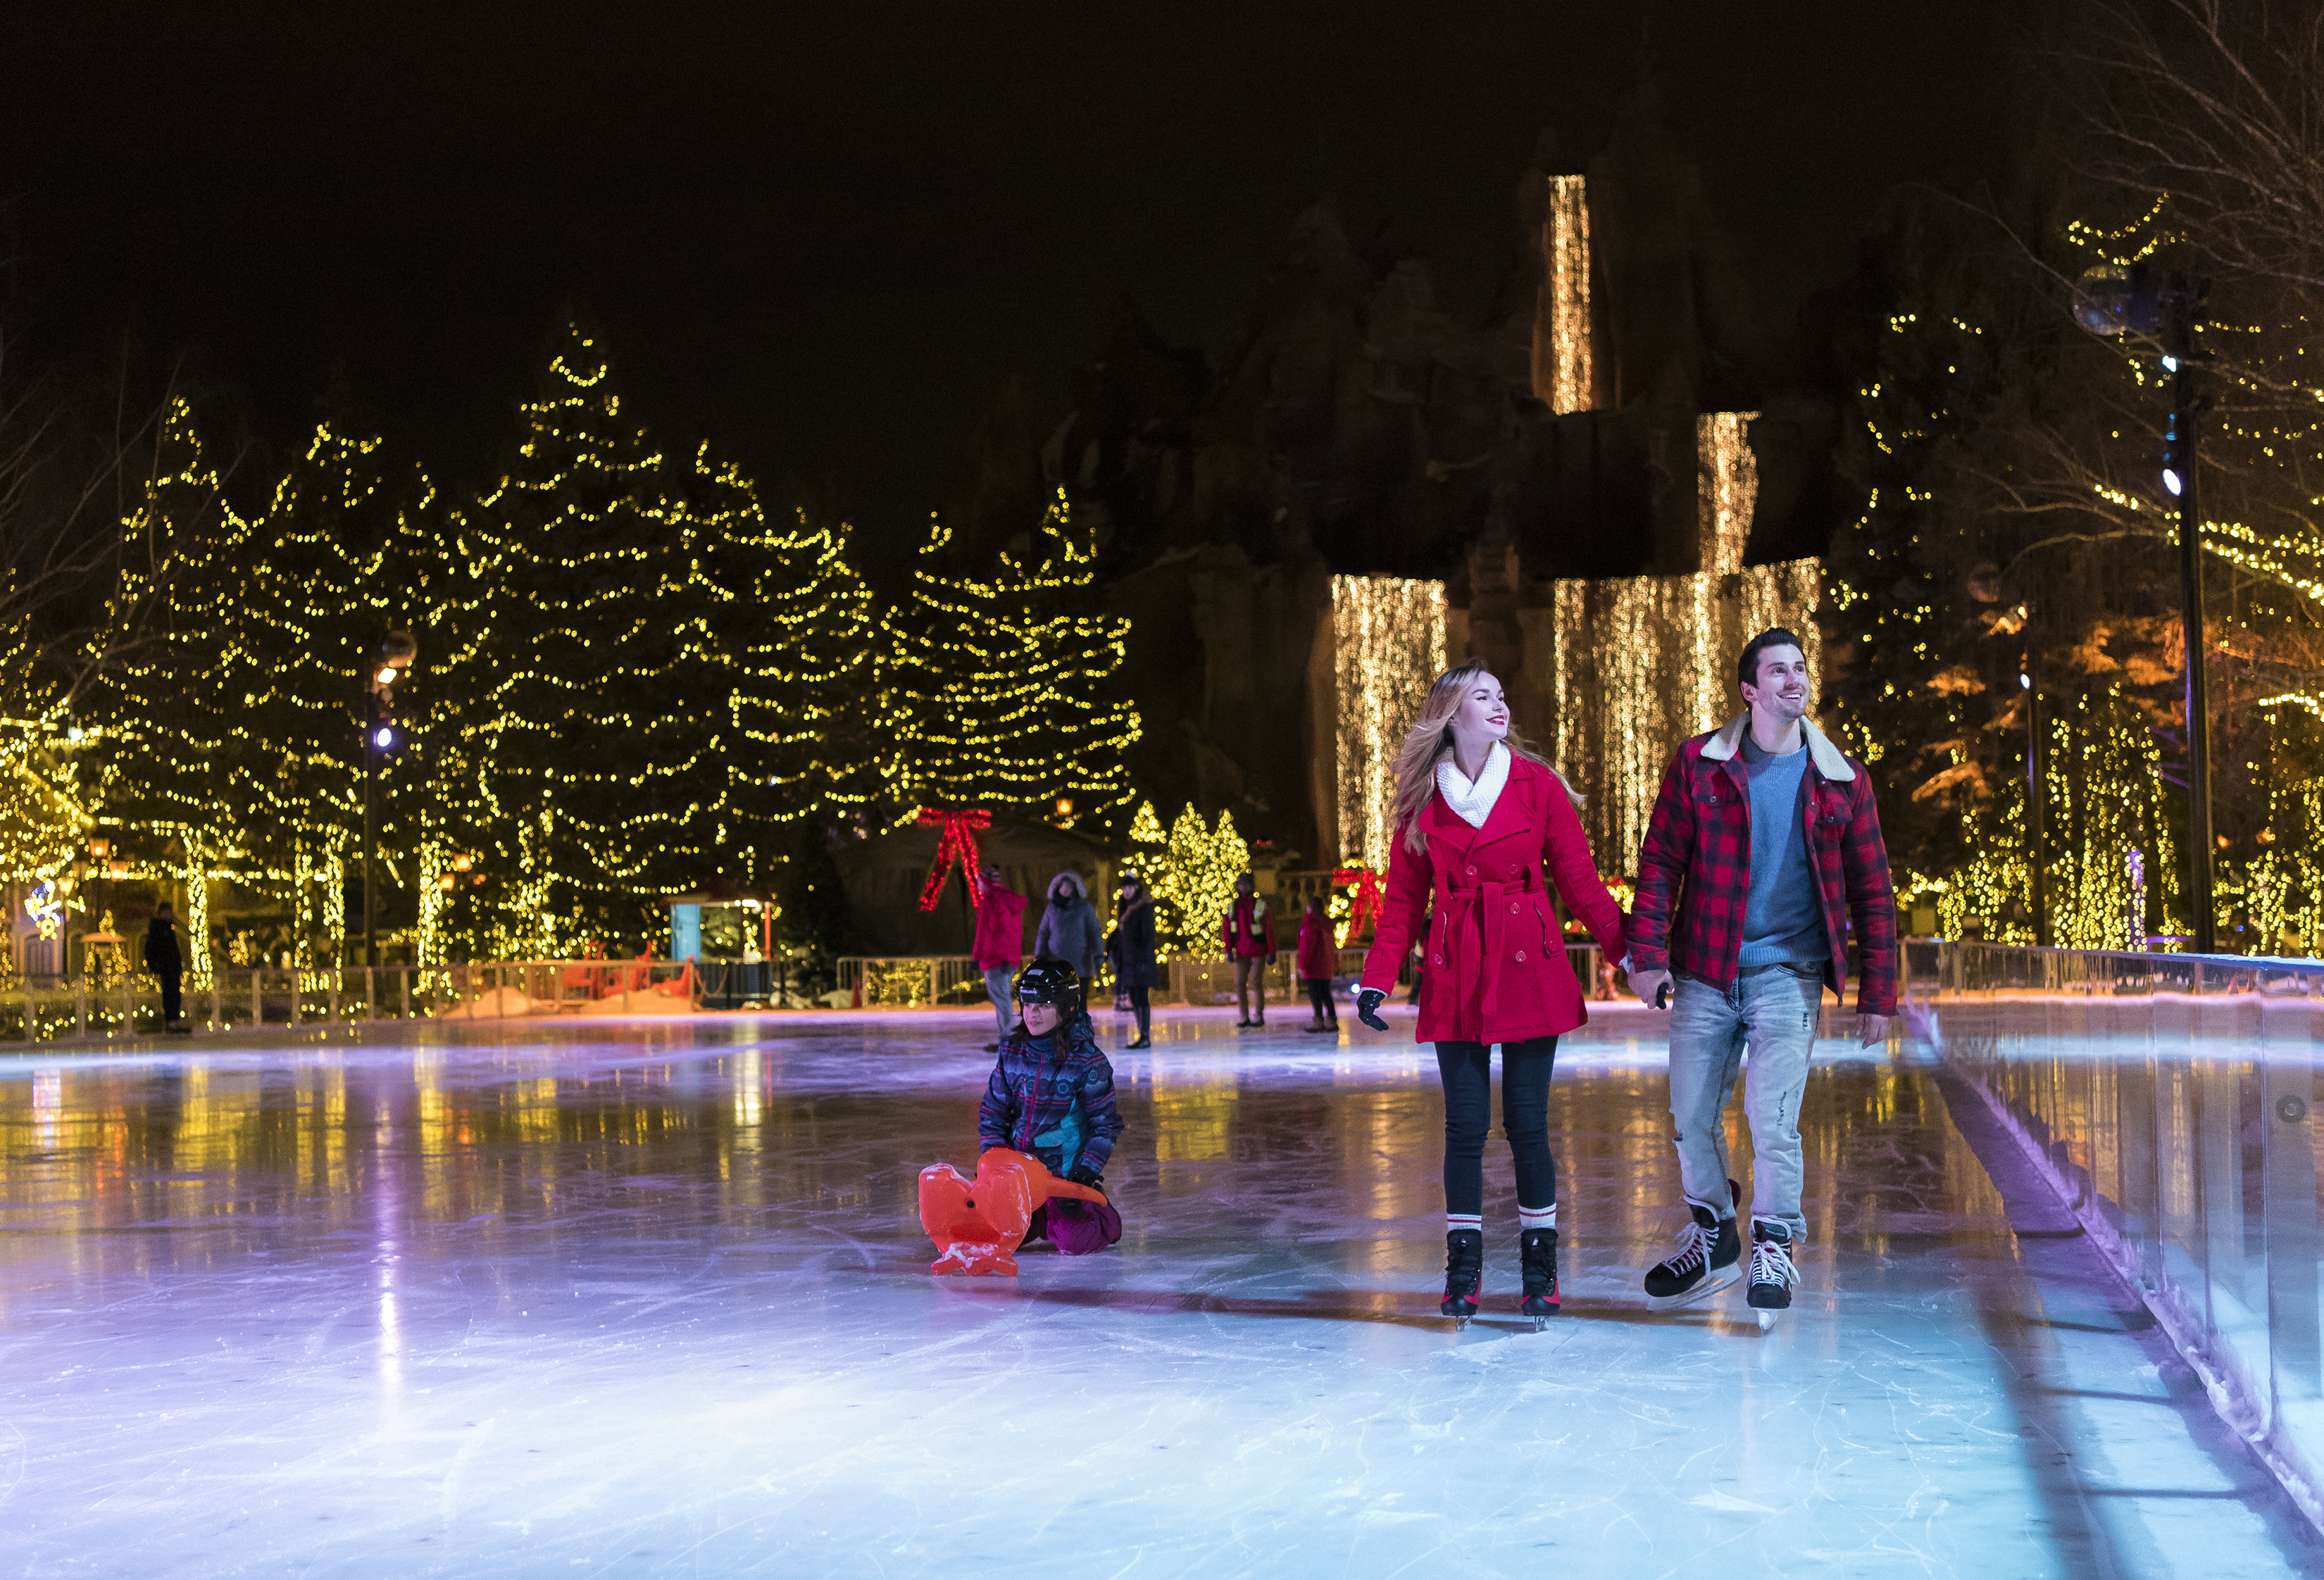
(1513, 907)
(1472, 872)
(1520, 954)
(1439, 960)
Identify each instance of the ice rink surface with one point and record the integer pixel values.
(651, 1299)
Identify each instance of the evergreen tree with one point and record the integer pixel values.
(166, 730)
(595, 695)
(1908, 695)
(1006, 693)
(795, 624)
(1193, 883)
(312, 612)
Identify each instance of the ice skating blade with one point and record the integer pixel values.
(1709, 1287)
(1767, 1320)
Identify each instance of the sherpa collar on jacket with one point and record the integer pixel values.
(1830, 760)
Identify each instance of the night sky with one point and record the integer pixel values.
(824, 235)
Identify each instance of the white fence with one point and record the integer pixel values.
(953, 981)
(271, 996)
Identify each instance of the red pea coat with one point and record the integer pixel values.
(1495, 969)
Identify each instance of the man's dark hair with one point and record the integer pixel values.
(1747, 667)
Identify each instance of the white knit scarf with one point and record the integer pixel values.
(1474, 801)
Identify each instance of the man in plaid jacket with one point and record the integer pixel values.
(1764, 855)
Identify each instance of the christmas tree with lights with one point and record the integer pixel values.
(1005, 693)
(1910, 693)
(297, 666)
(796, 625)
(166, 730)
(592, 685)
(1193, 882)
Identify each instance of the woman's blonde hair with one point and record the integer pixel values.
(1429, 742)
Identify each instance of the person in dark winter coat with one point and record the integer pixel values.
(1131, 948)
(1050, 1096)
(1070, 930)
(164, 960)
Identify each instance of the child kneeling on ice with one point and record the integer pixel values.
(1051, 1095)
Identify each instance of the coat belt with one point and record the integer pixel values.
(1494, 926)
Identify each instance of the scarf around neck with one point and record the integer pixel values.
(1473, 799)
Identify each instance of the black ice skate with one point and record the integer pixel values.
(1539, 1250)
(1772, 1271)
(1705, 1261)
(1464, 1273)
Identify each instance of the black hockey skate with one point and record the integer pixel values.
(1538, 1249)
(1772, 1271)
(1464, 1274)
(1704, 1263)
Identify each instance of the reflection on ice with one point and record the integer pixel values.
(652, 1299)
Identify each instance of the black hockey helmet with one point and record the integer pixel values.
(1049, 980)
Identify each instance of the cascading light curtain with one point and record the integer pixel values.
(1389, 646)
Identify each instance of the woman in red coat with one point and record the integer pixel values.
(1484, 826)
(1319, 962)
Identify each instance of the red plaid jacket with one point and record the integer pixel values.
(1696, 863)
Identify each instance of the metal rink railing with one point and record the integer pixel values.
(2172, 1101)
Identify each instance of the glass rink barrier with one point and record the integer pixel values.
(2171, 1100)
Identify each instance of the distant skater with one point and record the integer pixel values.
(1318, 960)
(1482, 827)
(1130, 949)
(164, 959)
(1764, 850)
(1069, 930)
(1247, 932)
(999, 946)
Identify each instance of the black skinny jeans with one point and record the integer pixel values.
(1319, 995)
(1467, 1071)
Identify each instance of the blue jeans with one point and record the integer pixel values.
(1524, 1120)
(997, 982)
(1774, 1009)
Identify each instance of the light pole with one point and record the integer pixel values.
(2035, 806)
(384, 666)
(2110, 301)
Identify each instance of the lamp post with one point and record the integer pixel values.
(2034, 804)
(2110, 301)
(384, 666)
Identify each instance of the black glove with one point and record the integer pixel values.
(1083, 1174)
(1368, 1004)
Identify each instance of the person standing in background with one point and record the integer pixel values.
(1248, 934)
(164, 959)
(1318, 960)
(1069, 930)
(1131, 948)
(1000, 946)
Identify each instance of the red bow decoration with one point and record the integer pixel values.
(1368, 904)
(956, 843)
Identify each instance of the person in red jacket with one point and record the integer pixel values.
(1763, 856)
(999, 946)
(1318, 960)
(1483, 827)
(1248, 934)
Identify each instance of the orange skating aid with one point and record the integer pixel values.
(978, 1224)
